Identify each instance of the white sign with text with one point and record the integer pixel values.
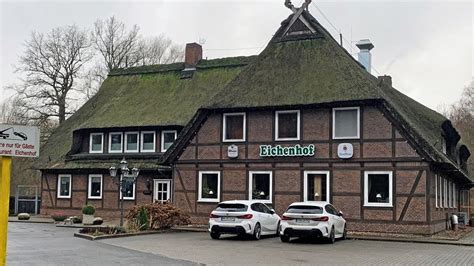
(19, 141)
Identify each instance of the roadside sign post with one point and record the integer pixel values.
(15, 141)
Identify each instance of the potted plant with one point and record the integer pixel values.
(88, 214)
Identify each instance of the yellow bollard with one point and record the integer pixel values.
(5, 169)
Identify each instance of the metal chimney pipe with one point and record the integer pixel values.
(364, 56)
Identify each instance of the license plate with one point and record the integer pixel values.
(302, 221)
(228, 219)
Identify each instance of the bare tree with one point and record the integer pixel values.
(158, 50)
(51, 63)
(461, 114)
(116, 45)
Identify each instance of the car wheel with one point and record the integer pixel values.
(344, 235)
(215, 235)
(257, 232)
(285, 238)
(278, 229)
(332, 236)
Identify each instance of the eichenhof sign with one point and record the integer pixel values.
(291, 151)
(19, 141)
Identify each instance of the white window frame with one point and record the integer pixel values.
(102, 142)
(89, 189)
(142, 139)
(445, 191)
(305, 185)
(134, 192)
(390, 189)
(60, 176)
(436, 191)
(126, 141)
(441, 192)
(155, 189)
(224, 121)
(200, 199)
(334, 122)
(270, 173)
(110, 142)
(298, 124)
(163, 138)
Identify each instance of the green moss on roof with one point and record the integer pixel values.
(147, 99)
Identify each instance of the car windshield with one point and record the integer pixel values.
(305, 209)
(231, 207)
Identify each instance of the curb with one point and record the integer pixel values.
(407, 240)
(93, 238)
(28, 221)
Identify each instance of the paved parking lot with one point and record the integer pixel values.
(200, 248)
(45, 244)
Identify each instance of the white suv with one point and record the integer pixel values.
(312, 219)
(243, 217)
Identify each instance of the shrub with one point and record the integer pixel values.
(158, 216)
(88, 210)
(97, 221)
(97, 231)
(59, 216)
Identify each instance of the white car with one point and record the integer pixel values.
(243, 217)
(312, 219)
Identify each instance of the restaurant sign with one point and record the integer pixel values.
(291, 151)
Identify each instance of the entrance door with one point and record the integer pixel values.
(316, 186)
(162, 190)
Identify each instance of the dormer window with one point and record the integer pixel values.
(96, 143)
(131, 142)
(148, 141)
(115, 142)
(167, 139)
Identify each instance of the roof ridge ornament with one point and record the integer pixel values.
(289, 5)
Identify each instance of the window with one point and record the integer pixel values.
(131, 142)
(162, 190)
(445, 191)
(167, 139)
(115, 142)
(378, 189)
(95, 187)
(287, 125)
(304, 209)
(441, 192)
(209, 186)
(234, 127)
(450, 194)
(129, 188)
(443, 145)
(346, 123)
(64, 186)
(95, 142)
(316, 186)
(436, 191)
(148, 141)
(260, 186)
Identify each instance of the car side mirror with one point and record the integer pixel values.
(340, 214)
(272, 211)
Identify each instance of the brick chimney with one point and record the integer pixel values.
(192, 55)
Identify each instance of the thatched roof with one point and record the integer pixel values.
(141, 96)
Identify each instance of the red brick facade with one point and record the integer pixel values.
(381, 147)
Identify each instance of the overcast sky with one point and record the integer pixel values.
(426, 46)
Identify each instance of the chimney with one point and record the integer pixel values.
(192, 55)
(385, 80)
(364, 56)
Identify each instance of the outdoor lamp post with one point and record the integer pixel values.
(126, 177)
